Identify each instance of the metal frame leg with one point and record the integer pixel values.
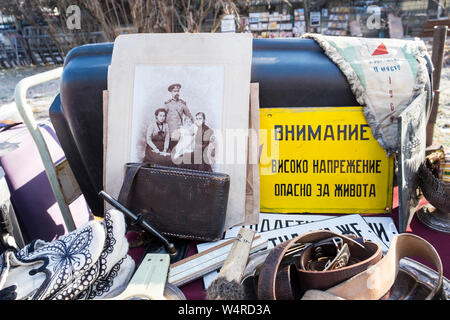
(26, 113)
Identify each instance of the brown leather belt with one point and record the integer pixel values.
(367, 275)
(375, 282)
(279, 280)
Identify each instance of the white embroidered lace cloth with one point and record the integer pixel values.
(88, 263)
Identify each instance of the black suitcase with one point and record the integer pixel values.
(290, 73)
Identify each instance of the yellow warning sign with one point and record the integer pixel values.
(322, 160)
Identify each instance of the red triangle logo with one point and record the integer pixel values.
(380, 50)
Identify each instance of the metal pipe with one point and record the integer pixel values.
(437, 55)
(139, 220)
(26, 113)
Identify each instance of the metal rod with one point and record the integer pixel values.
(437, 55)
(138, 220)
(26, 113)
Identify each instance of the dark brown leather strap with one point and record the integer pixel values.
(283, 289)
(376, 281)
(324, 280)
(268, 277)
(131, 171)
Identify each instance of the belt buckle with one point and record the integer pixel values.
(339, 259)
(327, 247)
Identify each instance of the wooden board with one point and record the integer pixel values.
(196, 266)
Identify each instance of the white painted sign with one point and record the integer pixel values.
(383, 227)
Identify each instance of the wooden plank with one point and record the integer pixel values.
(204, 253)
(50, 51)
(436, 22)
(38, 50)
(200, 264)
(23, 50)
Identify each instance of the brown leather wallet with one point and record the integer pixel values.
(284, 281)
(181, 203)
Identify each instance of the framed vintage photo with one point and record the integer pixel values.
(180, 100)
(176, 113)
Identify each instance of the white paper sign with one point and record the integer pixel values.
(383, 227)
(272, 221)
(354, 224)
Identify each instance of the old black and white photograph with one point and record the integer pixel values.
(176, 112)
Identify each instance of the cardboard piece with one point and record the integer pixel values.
(139, 61)
(252, 186)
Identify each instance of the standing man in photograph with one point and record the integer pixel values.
(176, 110)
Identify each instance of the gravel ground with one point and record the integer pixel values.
(40, 97)
(442, 127)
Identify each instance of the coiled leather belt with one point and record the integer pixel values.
(367, 274)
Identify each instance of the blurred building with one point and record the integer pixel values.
(22, 43)
(292, 18)
(6, 22)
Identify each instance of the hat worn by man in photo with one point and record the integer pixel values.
(176, 108)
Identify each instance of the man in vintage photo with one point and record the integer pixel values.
(176, 110)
